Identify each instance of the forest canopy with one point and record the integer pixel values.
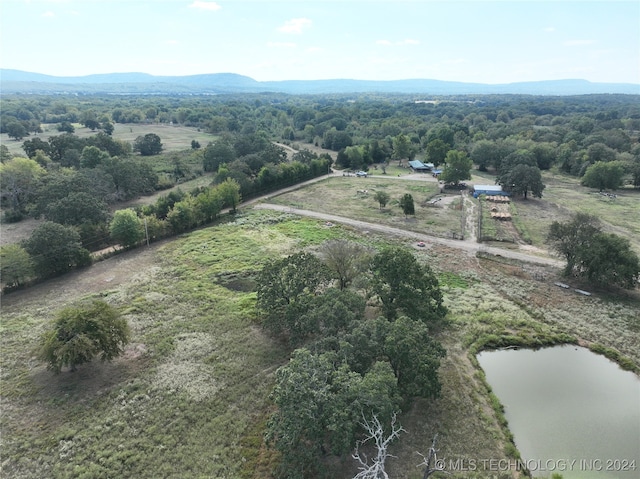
(78, 175)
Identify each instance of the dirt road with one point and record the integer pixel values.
(469, 246)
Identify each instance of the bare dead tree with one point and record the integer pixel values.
(430, 461)
(346, 259)
(375, 432)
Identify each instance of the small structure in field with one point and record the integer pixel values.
(489, 190)
(420, 167)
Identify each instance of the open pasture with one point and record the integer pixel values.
(564, 196)
(354, 197)
(190, 396)
(173, 137)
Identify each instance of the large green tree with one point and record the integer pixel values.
(609, 260)
(31, 146)
(520, 156)
(229, 191)
(570, 237)
(56, 249)
(92, 156)
(77, 208)
(15, 265)
(219, 153)
(604, 176)
(126, 228)
(285, 287)
(323, 316)
(19, 181)
(436, 151)
(522, 179)
(406, 287)
(209, 204)
(184, 215)
(605, 259)
(147, 145)
(458, 167)
(59, 183)
(79, 334)
(414, 356)
(16, 130)
(401, 147)
(131, 177)
(600, 152)
(5, 154)
(336, 140)
(320, 406)
(545, 154)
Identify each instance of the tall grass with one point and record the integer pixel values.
(190, 396)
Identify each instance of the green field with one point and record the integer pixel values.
(190, 396)
(174, 137)
(345, 196)
(563, 197)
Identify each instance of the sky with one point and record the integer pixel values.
(478, 41)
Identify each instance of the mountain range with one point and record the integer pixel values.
(17, 81)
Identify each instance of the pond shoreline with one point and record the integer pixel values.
(556, 389)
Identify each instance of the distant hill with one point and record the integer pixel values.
(16, 81)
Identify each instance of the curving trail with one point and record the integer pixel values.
(469, 246)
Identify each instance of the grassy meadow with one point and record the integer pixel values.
(343, 195)
(563, 197)
(190, 397)
(174, 137)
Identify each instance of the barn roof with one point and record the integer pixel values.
(418, 165)
(492, 188)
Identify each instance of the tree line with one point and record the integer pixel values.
(76, 201)
(56, 248)
(571, 133)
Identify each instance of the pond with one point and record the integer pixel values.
(570, 411)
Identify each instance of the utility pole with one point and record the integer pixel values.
(146, 231)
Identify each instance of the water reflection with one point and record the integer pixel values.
(567, 405)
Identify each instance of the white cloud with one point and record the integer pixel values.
(550, 29)
(48, 14)
(202, 5)
(578, 43)
(295, 25)
(407, 41)
(281, 45)
(314, 49)
(171, 42)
